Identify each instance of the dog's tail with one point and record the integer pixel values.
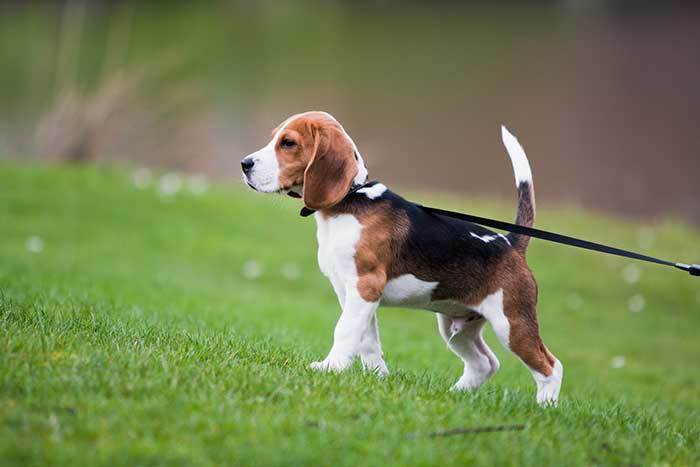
(526, 190)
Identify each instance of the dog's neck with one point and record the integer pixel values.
(306, 212)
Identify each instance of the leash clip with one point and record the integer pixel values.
(693, 269)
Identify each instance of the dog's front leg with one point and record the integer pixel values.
(354, 323)
(371, 350)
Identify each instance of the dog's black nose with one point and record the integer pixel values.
(247, 164)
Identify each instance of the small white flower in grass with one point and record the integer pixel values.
(617, 361)
(34, 244)
(290, 271)
(197, 184)
(574, 301)
(646, 238)
(169, 184)
(252, 269)
(631, 273)
(141, 178)
(636, 303)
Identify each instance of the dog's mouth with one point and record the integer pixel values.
(248, 182)
(289, 191)
(281, 191)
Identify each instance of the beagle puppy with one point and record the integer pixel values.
(379, 249)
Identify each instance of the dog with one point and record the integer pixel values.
(379, 249)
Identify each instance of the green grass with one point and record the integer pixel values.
(134, 338)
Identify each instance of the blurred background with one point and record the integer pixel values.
(604, 95)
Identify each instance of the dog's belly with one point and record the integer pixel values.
(453, 309)
(407, 291)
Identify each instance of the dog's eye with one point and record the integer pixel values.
(287, 143)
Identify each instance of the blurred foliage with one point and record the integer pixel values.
(597, 87)
(241, 49)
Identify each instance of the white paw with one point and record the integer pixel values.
(376, 365)
(476, 374)
(469, 382)
(547, 402)
(548, 387)
(332, 364)
(548, 395)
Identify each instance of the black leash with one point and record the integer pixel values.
(692, 269)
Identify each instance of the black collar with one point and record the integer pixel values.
(306, 212)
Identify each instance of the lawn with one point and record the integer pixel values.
(144, 327)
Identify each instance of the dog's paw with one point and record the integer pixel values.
(548, 387)
(461, 387)
(332, 364)
(469, 382)
(376, 366)
(548, 403)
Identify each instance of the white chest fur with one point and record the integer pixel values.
(337, 238)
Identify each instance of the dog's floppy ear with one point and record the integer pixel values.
(329, 175)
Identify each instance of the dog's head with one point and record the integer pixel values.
(310, 156)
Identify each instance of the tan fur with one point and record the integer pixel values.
(520, 308)
(375, 260)
(322, 160)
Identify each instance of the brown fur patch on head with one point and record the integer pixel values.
(313, 151)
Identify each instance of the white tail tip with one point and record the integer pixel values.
(521, 166)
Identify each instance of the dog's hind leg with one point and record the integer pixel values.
(513, 318)
(463, 337)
